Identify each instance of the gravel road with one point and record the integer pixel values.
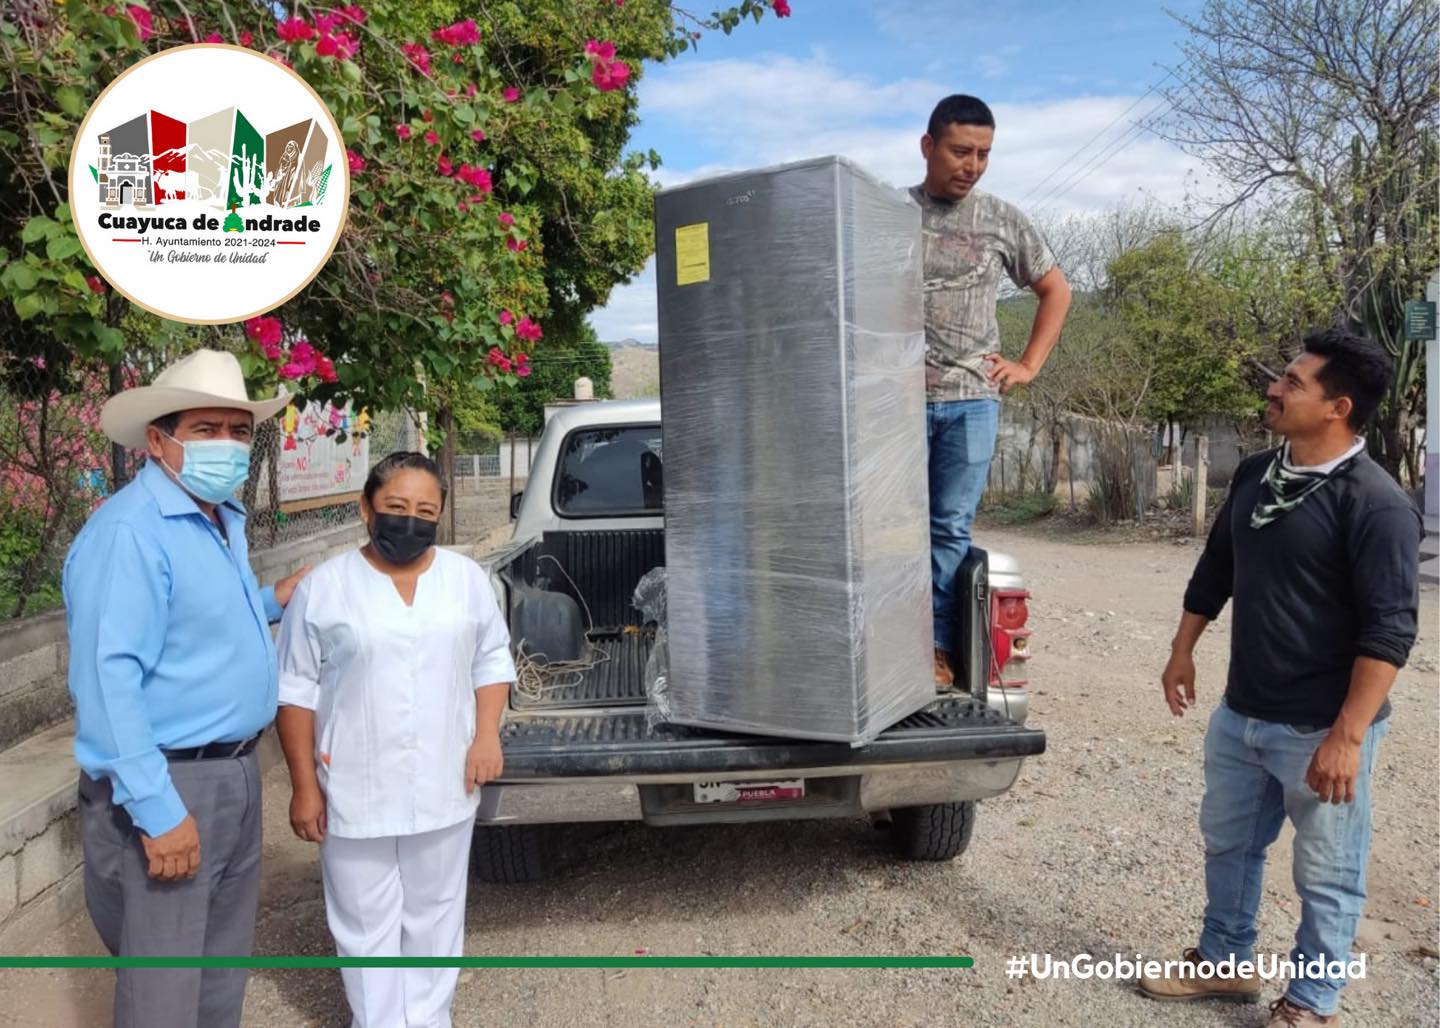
(1095, 851)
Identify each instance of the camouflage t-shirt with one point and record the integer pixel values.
(967, 243)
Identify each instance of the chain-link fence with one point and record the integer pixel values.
(55, 468)
(354, 447)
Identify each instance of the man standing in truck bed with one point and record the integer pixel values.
(970, 236)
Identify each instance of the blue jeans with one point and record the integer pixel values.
(962, 439)
(1254, 779)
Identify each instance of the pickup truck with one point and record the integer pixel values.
(581, 748)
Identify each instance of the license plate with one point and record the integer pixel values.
(750, 792)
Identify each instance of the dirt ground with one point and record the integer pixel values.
(1095, 851)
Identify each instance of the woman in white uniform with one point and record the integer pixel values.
(394, 670)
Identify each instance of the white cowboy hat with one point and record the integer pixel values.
(206, 378)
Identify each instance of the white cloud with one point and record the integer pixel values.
(775, 109)
(630, 314)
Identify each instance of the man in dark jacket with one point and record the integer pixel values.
(1319, 549)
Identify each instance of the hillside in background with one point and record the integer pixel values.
(634, 370)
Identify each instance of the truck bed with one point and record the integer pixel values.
(599, 570)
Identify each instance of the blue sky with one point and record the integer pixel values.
(859, 77)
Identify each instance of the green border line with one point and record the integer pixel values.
(493, 962)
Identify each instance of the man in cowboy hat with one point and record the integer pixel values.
(172, 671)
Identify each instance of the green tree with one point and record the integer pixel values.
(1332, 103)
(556, 368)
(1192, 326)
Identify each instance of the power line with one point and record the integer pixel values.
(1103, 157)
(1085, 145)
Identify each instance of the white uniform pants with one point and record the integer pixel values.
(398, 896)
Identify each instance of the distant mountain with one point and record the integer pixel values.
(634, 370)
(625, 344)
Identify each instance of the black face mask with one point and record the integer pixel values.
(402, 540)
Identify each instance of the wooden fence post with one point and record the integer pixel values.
(1198, 483)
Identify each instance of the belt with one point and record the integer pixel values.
(215, 751)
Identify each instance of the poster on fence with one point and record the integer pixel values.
(324, 455)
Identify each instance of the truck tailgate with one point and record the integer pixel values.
(597, 745)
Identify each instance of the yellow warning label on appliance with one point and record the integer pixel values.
(692, 254)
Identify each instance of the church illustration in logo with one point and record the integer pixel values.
(220, 160)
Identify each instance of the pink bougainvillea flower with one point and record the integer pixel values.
(93, 281)
(431, 138)
(604, 51)
(456, 58)
(294, 30)
(516, 245)
(478, 198)
(444, 167)
(357, 163)
(462, 207)
(265, 331)
(304, 354)
(417, 56)
(214, 37)
(246, 39)
(325, 23)
(355, 14)
(523, 371)
(478, 135)
(326, 370)
(474, 175)
(609, 76)
(290, 372)
(506, 317)
(782, 8)
(462, 33)
(529, 330)
(506, 218)
(471, 89)
(402, 132)
(340, 46)
(511, 94)
(144, 24)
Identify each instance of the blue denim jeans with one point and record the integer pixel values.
(1254, 779)
(962, 439)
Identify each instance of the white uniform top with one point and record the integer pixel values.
(392, 688)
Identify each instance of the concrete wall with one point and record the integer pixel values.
(33, 661)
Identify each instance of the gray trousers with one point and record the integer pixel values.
(212, 914)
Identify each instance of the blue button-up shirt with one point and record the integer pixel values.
(170, 645)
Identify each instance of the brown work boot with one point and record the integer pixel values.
(1182, 985)
(944, 673)
(1286, 1014)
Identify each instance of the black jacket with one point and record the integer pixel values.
(1334, 579)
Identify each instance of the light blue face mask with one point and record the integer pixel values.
(213, 468)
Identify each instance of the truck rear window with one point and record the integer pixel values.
(610, 472)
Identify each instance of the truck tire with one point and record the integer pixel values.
(940, 831)
(510, 854)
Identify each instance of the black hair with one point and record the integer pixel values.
(402, 460)
(168, 423)
(959, 109)
(1355, 366)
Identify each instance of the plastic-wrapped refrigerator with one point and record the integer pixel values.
(792, 386)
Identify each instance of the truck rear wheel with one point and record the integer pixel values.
(510, 854)
(940, 831)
